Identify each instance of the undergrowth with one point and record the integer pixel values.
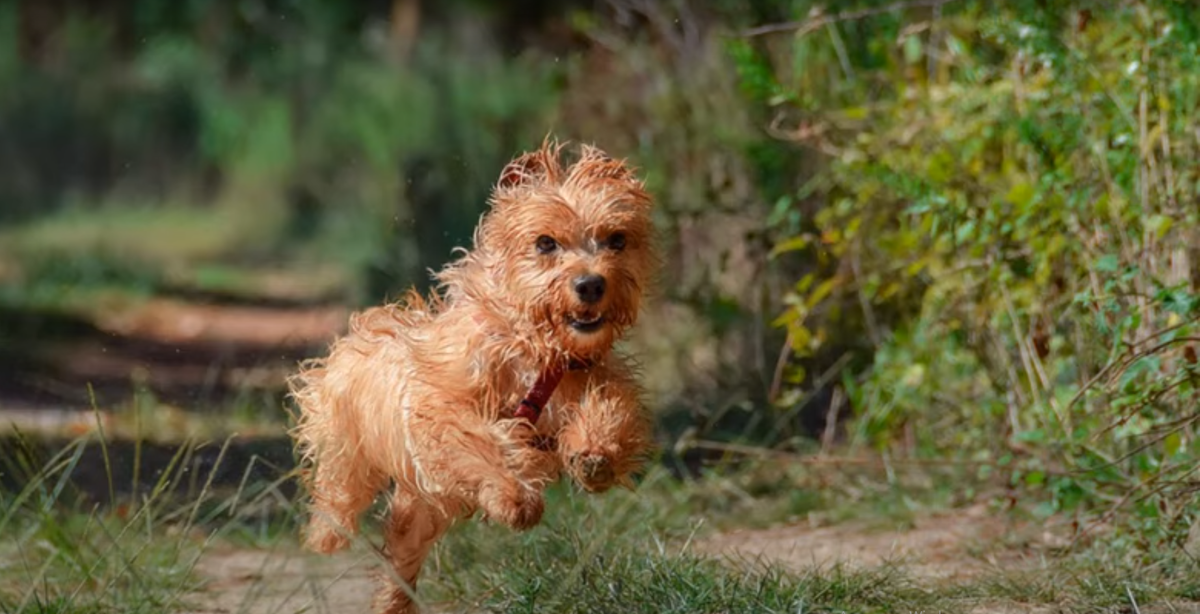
(1004, 233)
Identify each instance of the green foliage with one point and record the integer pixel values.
(311, 136)
(1007, 209)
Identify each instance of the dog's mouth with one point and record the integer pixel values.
(586, 323)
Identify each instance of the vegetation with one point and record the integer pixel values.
(622, 552)
(945, 246)
(1007, 210)
(256, 133)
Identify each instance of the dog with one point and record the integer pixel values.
(474, 399)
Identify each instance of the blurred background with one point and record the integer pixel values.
(932, 229)
(195, 193)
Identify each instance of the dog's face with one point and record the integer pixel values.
(570, 247)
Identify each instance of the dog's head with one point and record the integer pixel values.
(569, 247)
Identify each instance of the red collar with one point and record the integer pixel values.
(530, 407)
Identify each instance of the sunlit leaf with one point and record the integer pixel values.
(793, 244)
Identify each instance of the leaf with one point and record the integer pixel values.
(782, 208)
(796, 375)
(965, 231)
(855, 113)
(1146, 366)
(793, 244)
(1159, 224)
(1172, 443)
(788, 318)
(1020, 194)
(801, 340)
(820, 292)
(912, 49)
(853, 225)
(1177, 301)
(805, 283)
(1031, 436)
(1107, 263)
(913, 376)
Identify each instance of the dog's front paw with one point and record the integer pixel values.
(324, 538)
(593, 471)
(513, 505)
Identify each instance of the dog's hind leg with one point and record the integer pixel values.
(341, 490)
(413, 527)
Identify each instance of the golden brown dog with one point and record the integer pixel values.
(441, 400)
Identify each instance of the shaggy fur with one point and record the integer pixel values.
(419, 396)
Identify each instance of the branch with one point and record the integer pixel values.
(1120, 367)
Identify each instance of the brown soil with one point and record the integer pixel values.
(181, 347)
(190, 355)
(262, 582)
(949, 546)
(946, 547)
(173, 321)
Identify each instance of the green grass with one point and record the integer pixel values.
(89, 559)
(87, 261)
(621, 552)
(1101, 578)
(634, 581)
(167, 234)
(594, 557)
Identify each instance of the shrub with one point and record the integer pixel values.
(1007, 209)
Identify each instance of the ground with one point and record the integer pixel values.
(938, 551)
(179, 348)
(251, 581)
(940, 548)
(946, 546)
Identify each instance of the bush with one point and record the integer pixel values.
(1007, 208)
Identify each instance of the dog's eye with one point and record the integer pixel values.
(616, 241)
(546, 244)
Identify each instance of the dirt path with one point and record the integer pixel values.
(948, 546)
(937, 551)
(263, 582)
(181, 322)
(941, 550)
(191, 356)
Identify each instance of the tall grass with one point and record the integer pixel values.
(107, 558)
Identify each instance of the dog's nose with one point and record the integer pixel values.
(590, 288)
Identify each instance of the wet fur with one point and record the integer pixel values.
(418, 396)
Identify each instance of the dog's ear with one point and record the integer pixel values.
(525, 168)
(540, 165)
(595, 163)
